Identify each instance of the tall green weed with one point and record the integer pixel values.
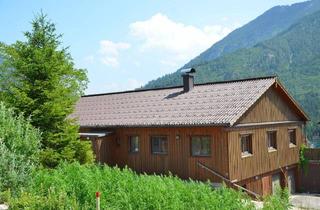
(74, 186)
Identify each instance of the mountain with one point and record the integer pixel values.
(293, 55)
(266, 26)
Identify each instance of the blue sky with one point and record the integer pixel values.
(124, 44)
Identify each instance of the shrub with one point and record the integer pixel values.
(303, 160)
(279, 201)
(74, 186)
(19, 149)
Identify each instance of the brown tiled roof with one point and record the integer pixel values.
(220, 103)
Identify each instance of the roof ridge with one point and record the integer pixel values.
(180, 86)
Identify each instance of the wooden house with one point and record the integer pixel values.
(246, 132)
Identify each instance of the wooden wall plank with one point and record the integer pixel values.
(178, 160)
(271, 107)
(262, 161)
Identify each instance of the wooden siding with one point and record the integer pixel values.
(262, 184)
(274, 107)
(262, 161)
(266, 185)
(271, 107)
(178, 161)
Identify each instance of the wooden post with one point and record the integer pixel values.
(97, 200)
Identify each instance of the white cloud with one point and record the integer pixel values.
(183, 41)
(109, 51)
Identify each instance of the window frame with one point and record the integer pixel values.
(210, 145)
(152, 148)
(275, 146)
(250, 146)
(294, 130)
(129, 141)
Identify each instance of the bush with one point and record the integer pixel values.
(19, 149)
(74, 186)
(303, 160)
(279, 201)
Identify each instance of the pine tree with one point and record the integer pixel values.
(38, 78)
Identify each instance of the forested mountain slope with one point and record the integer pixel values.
(266, 26)
(293, 55)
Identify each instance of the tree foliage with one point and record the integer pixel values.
(39, 79)
(19, 149)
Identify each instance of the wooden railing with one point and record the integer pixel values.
(257, 196)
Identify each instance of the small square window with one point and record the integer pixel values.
(246, 144)
(292, 137)
(272, 140)
(200, 146)
(134, 144)
(159, 144)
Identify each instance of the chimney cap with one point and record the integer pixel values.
(188, 71)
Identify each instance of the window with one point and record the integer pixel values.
(246, 144)
(133, 144)
(292, 137)
(159, 144)
(272, 140)
(200, 146)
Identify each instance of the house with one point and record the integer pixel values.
(246, 131)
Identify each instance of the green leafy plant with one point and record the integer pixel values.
(280, 200)
(19, 150)
(303, 160)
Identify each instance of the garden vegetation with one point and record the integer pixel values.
(19, 149)
(74, 186)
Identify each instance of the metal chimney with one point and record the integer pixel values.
(188, 79)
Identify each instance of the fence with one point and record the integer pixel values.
(310, 178)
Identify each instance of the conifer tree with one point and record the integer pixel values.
(38, 78)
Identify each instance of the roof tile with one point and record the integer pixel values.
(207, 104)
